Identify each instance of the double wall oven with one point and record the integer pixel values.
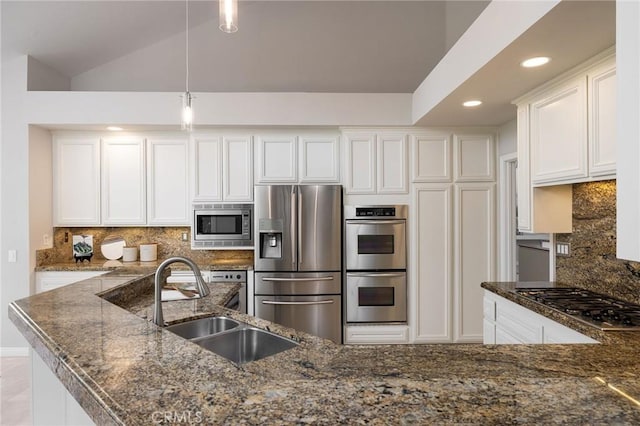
(376, 264)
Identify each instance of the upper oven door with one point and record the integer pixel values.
(375, 244)
(221, 225)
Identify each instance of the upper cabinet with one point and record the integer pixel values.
(167, 181)
(566, 134)
(376, 162)
(431, 154)
(475, 158)
(76, 180)
(570, 125)
(124, 180)
(222, 167)
(297, 158)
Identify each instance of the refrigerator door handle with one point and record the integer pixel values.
(319, 302)
(294, 226)
(300, 227)
(298, 279)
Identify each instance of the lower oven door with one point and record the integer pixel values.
(376, 297)
(317, 315)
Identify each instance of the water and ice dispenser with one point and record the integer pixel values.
(270, 238)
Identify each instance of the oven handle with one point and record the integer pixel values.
(375, 222)
(298, 279)
(374, 275)
(319, 302)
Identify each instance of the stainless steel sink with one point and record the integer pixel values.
(246, 344)
(203, 327)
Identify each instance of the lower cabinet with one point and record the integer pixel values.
(506, 322)
(376, 334)
(48, 280)
(51, 403)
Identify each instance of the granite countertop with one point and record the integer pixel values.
(141, 267)
(123, 369)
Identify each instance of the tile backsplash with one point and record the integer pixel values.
(592, 263)
(169, 240)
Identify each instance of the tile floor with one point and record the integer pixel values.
(15, 390)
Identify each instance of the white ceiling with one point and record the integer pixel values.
(296, 46)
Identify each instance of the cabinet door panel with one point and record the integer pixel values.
(559, 134)
(431, 158)
(392, 164)
(238, 168)
(167, 177)
(523, 181)
(207, 168)
(76, 181)
(433, 234)
(602, 121)
(474, 256)
(277, 159)
(319, 160)
(475, 158)
(123, 182)
(361, 163)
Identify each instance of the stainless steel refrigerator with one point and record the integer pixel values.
(298, 259)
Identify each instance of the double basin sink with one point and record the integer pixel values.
(234, 340)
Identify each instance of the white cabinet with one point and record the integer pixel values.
(276, 157)
(222, 167)
(51, 403)
(475, 158)
(319, 159)
(566, 134)
(506, 322)
(474, 256)
(628, 131)
(431, 154)
(376, 334)
(76, 180)
(433, 210)
(602, 119)
(237, 168)
(168, 182)
(298, 158)
(376, 163)
(558, 129)
(206, 166)
(123, 181)
(48, 280)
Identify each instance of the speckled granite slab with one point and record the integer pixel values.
(124, 370)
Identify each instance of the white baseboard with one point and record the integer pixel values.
(14, 351)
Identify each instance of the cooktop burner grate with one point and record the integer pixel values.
(597, 310)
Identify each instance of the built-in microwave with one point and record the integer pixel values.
(221, 225)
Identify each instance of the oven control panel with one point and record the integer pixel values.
(375, 211)
(396, 211)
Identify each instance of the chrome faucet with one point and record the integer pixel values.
(203, 290)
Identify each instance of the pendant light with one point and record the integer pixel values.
(229, 16)
(187, 108)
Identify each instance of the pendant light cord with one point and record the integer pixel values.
(187, 45)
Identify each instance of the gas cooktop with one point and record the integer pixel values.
(597, 310)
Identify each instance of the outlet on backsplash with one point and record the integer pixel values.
(563, 249)
(185, 236)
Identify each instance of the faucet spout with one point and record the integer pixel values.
(203, 290)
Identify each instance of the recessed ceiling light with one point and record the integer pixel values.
(470, 104)
(114, 128)
(535, 62)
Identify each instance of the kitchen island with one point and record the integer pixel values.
(122, 369)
